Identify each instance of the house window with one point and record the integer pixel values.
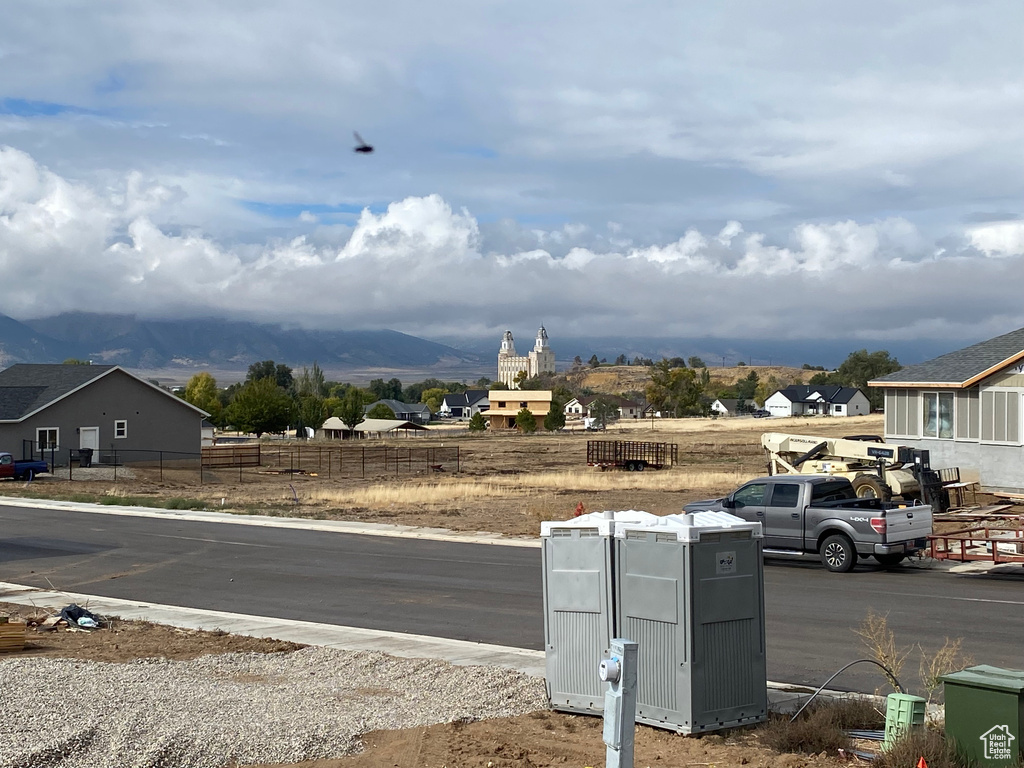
(501, 403)
(120, 428)
(522, 405)
(839, 409)
(1000, 417)
(48, 438)
(938, 415)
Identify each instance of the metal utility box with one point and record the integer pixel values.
(578, 606)
(985, 714)
(689, 589)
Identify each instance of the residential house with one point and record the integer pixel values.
(725, 406)
(823, 400)
(462, 405)
(53, 411)
(418, 413)
(583, 405)
(506, 403)
(965, 408)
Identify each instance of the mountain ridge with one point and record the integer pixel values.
(128, 341)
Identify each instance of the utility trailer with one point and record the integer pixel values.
(631, 455)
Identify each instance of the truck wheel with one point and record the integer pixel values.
(890, 561)
(28, 475)
(640, 466)
(871, 487)
(630, 466)
(838, 554)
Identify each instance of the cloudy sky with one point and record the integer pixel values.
(785, 170)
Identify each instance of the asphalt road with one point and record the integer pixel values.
(479, 592)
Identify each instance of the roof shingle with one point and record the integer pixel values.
(962, 367)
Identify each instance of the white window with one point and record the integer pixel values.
(839, 409)
(120, 428)
(938, 415)
(48, 438)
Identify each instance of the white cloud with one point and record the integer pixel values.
(1004, 238)
(418, 267)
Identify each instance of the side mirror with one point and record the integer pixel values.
(728, 503)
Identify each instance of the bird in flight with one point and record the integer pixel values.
(361, 146)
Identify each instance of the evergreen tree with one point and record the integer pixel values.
(526, 421)
(555, 417)
(477, 423)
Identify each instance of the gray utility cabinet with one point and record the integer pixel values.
(578, 602)
(687, 588)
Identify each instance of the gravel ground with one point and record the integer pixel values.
(247, 708)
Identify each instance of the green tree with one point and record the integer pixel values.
(76, 361)
(593, 362)
(351, 410)
(696, 362)
(386, 390)
(862, 366)
(555, 417)
(201, 391)
(621, 360)
(261, 406)
(499, 385)
(432, 398)
(603, 410)
(380, 411)
(526, 421)
(746, 387)
(312, 412)
(482, 383)
(677, 389)
(311, 382)
(477, 423)
(519, 378)
(267, 369)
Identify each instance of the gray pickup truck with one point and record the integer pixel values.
(821, 514)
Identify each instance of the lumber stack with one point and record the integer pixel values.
(12, 636)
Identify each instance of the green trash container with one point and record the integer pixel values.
(985, 714)
(903, 713)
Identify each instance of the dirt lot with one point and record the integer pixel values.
(540, 739)
(506, 483)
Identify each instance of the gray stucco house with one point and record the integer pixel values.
(965, 408)
(52, 410)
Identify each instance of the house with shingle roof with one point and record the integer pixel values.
(818, 400)
(462, 405)
(965, 408)
(53, 411)
(417, 413)
(582, 406)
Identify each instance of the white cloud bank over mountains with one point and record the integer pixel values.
(421, 267)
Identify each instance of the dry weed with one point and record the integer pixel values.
(949, 658)
(880, 641)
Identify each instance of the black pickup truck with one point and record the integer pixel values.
(821, 515)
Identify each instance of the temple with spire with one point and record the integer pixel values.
(511, 366)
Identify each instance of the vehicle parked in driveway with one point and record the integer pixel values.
(821, 515)
(16, 469)
(761, 413)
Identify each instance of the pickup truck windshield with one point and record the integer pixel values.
(832, 490)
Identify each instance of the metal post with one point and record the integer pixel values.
(161, 466)
(619, 671)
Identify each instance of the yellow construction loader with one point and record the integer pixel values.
(875, 468)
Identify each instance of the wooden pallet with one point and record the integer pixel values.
(12, 637)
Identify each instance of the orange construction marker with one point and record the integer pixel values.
(922, 763)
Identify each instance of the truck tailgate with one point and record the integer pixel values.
(908, 523)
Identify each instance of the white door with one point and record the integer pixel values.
(89, 437)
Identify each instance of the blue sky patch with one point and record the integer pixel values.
(29, 108)
(292, 210)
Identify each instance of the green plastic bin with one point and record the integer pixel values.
(985, 714)
(903, 713)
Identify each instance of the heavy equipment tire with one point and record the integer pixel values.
(871, 487)
(838, 553)
(890, 561)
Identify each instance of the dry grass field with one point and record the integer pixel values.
(617, 379)
(507, 483)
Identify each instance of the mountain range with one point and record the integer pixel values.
(134, 343)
